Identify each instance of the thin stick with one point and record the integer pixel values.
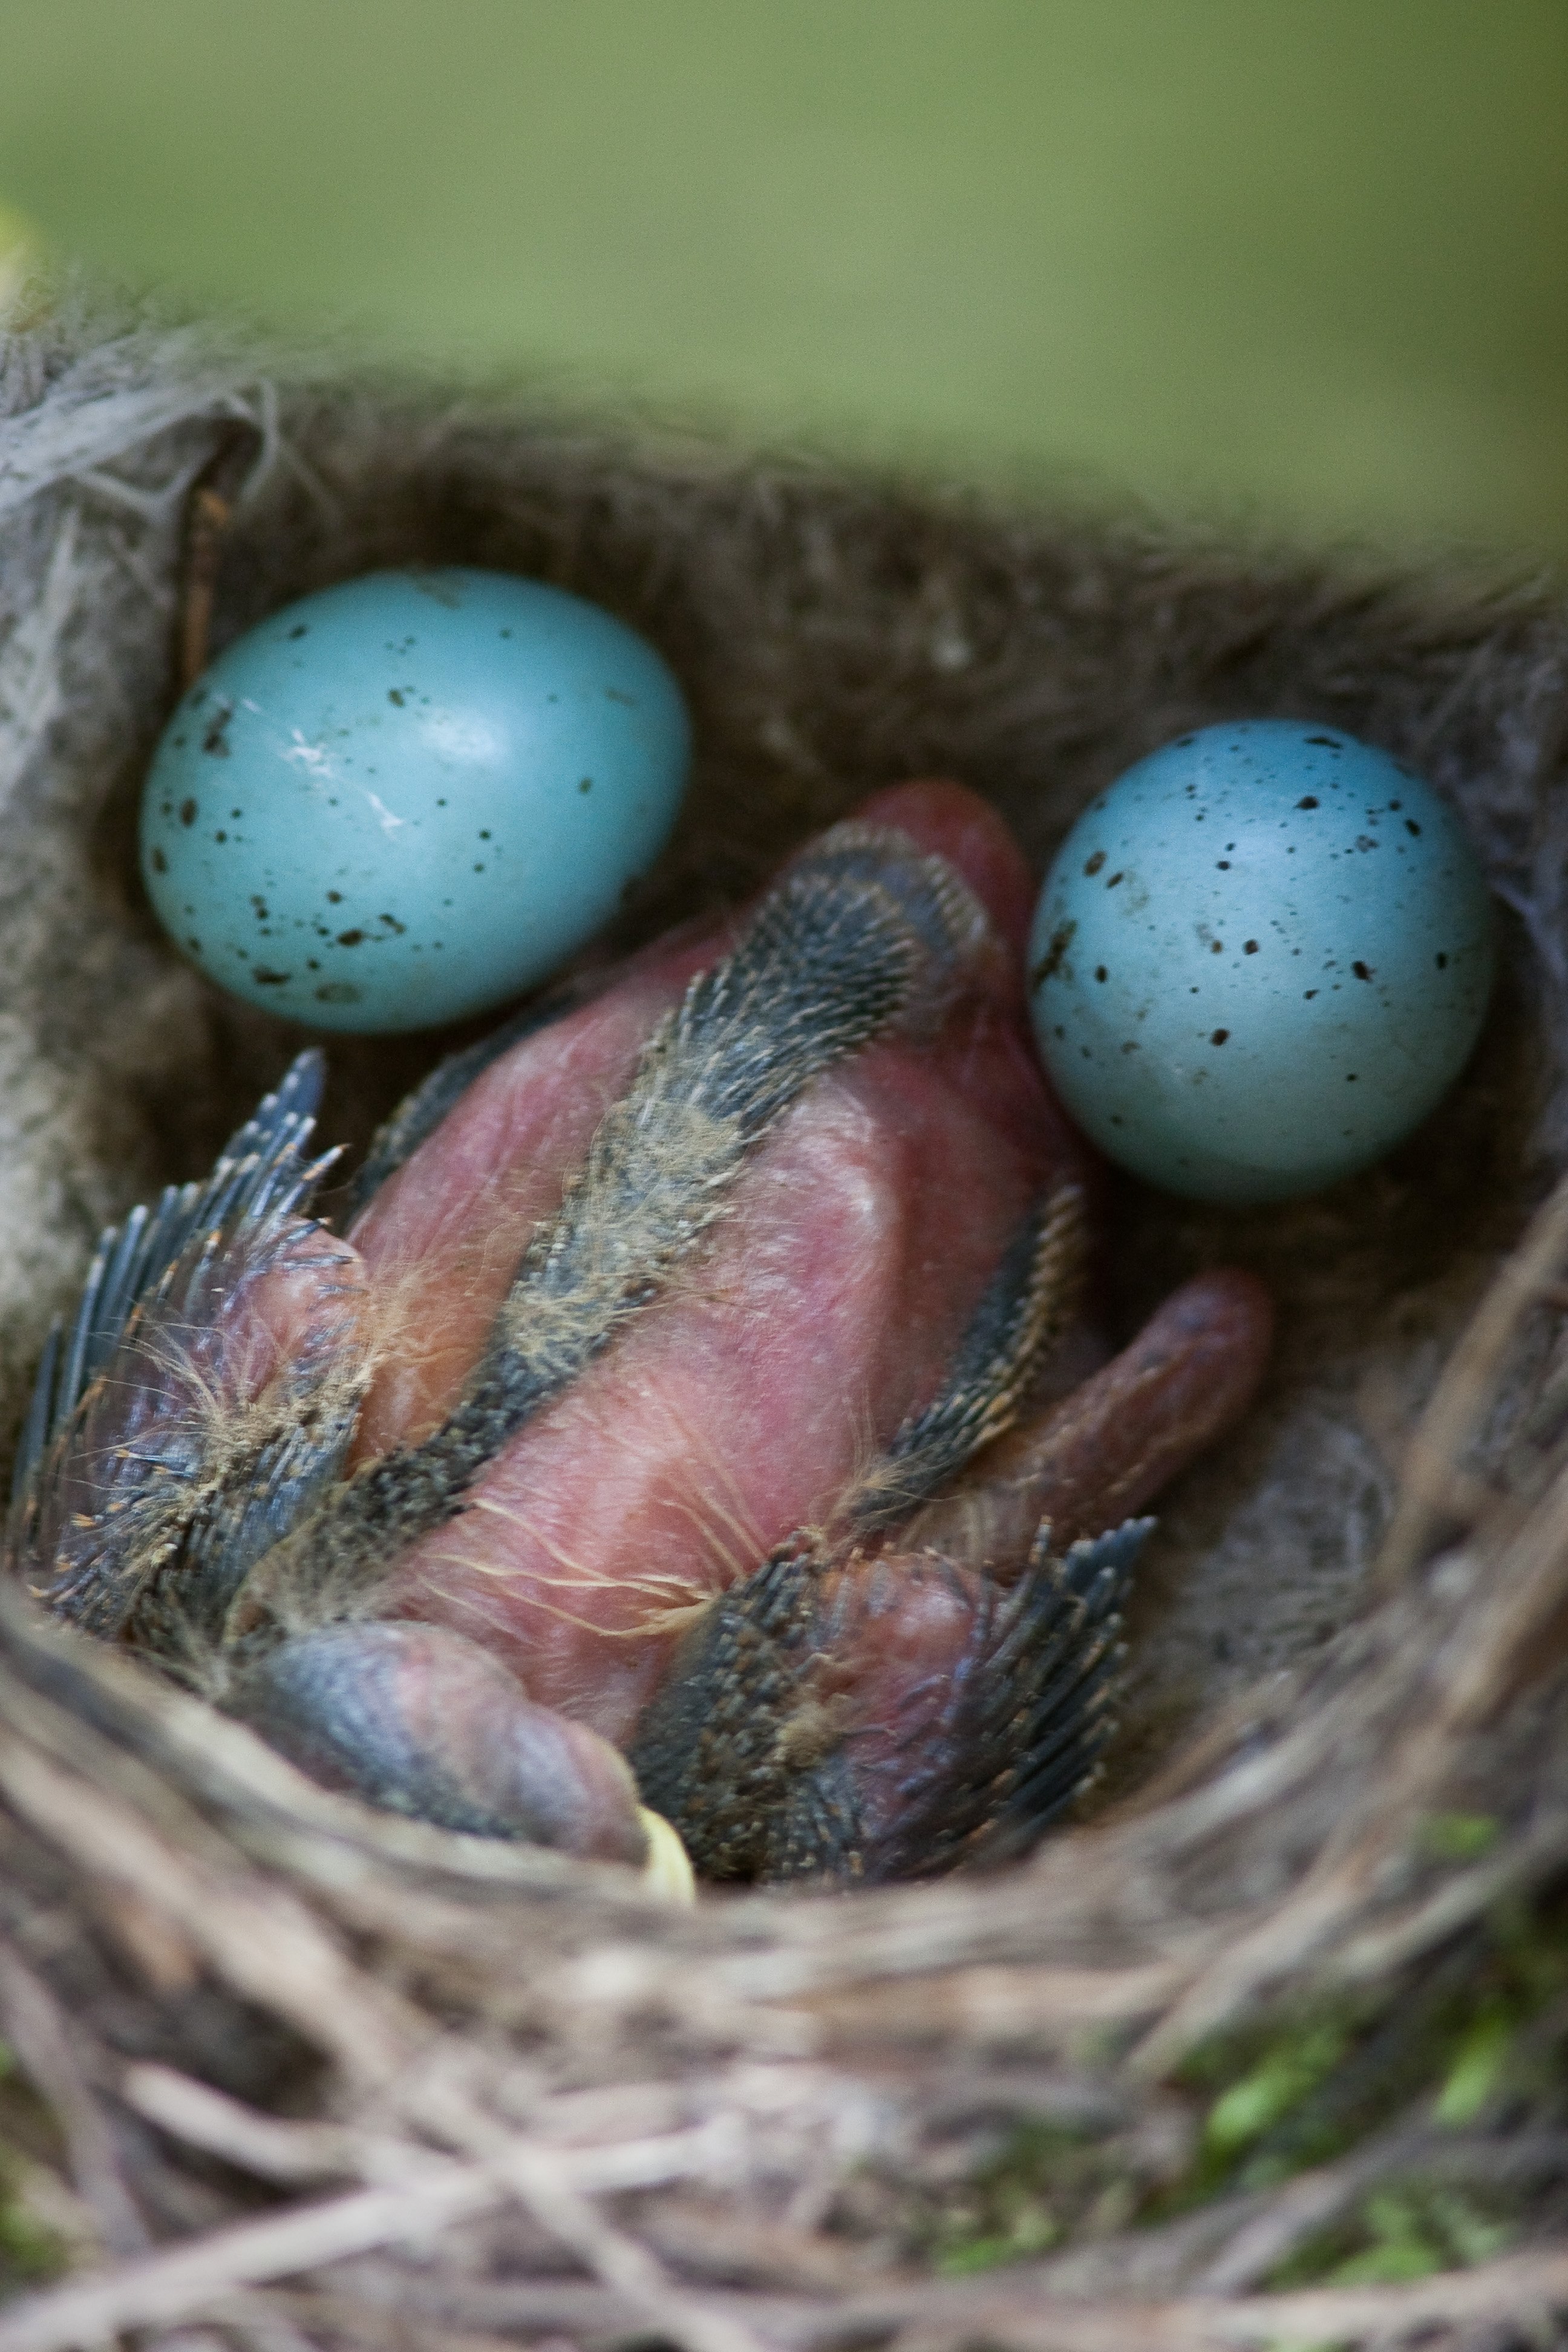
(258, 1936)
(209, 510)
(546, 2180)
(36, 2029)
(160, 2289)
(1413, 2147)
(1466, 1387)
(1019, 2308)
(1518, 2291)
(258, 2143)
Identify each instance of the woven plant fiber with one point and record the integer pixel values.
(1268, 2046)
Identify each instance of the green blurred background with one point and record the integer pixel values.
(1305, 260)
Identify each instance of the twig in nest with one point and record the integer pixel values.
(1453, 2307)
(433, 2192)
(552, 2182)
(1015, 2312)
(1467, 1388)
(209, 509)
(254, 1933)
(1313, 2201)
(33, 2024)
(263, 2144)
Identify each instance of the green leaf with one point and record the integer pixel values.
(1389, 2264)
(1475, 2068)
(1461, 1837)
(976, 2254)
(1471, 2237)
(1279, 2083)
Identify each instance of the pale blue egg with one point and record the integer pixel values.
(408, 799)
(1260, 959)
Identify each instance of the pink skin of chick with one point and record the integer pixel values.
(825, 1306)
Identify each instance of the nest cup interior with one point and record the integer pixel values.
(833, 634)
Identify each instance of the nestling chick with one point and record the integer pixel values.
(654, 1405)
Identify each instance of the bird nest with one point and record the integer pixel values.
(1268, 2046)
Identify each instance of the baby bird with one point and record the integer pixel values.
(668, 1436)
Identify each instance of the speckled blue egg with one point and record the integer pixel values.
(410, 798)
(1260, 959)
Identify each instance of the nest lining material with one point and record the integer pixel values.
(319, 2077)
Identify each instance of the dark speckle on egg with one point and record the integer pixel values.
(1055, 957)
